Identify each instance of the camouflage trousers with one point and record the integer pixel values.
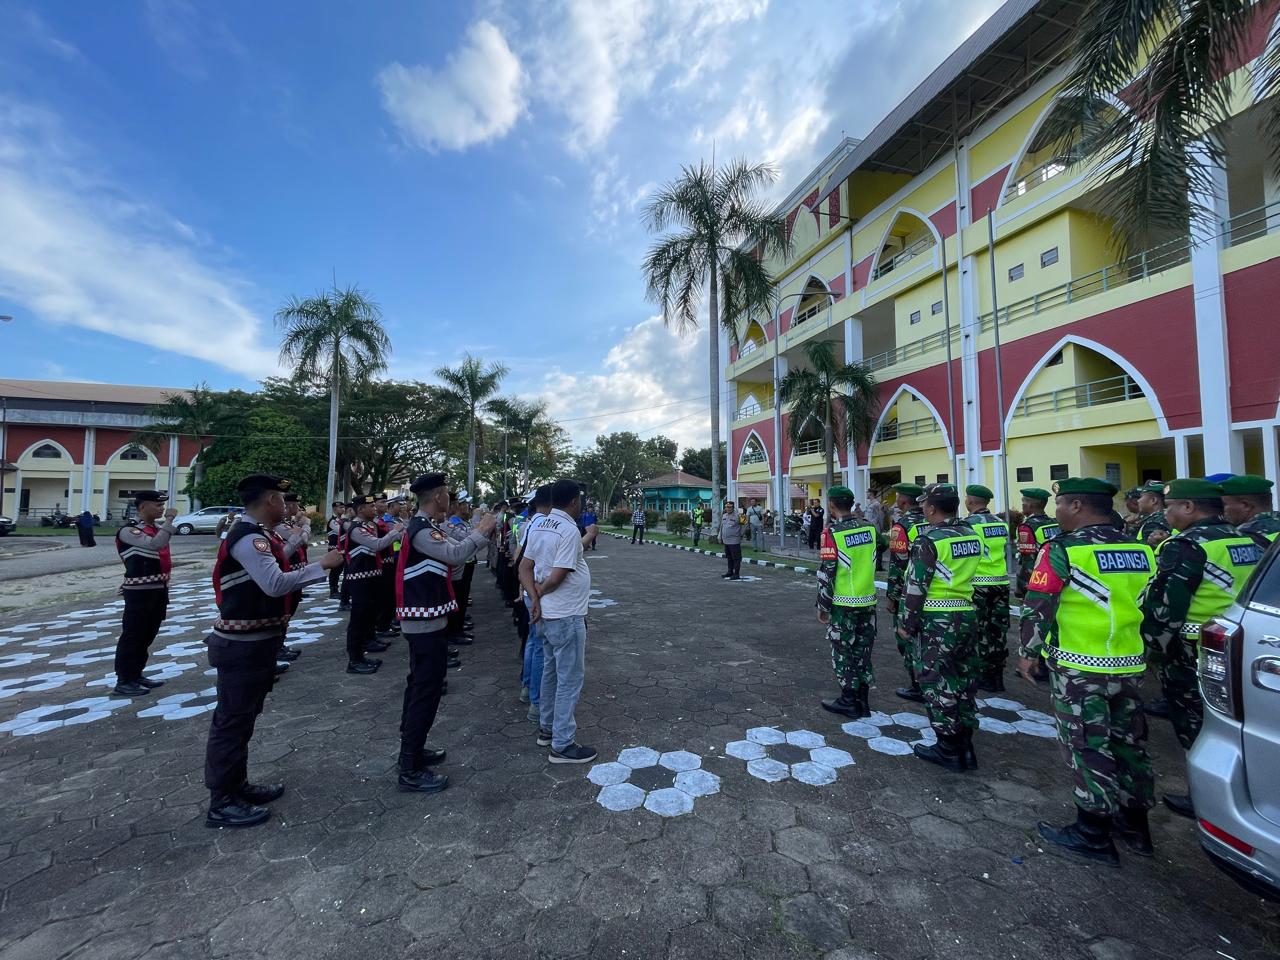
(906, 649)
(1103, 732)
(992, 605)
(946, 646)
(852, 632)
(1180, 684)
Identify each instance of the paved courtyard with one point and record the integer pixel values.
(727, 816)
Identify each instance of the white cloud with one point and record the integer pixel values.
(77, 249)
(476, 97)
(189, 36)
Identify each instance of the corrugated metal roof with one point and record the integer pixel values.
(53, 390)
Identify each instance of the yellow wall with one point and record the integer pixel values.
(1001, 146)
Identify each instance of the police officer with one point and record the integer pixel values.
(847, 602)
(1246, 502)
(385, 620)
(990, 586)
(295, 531)
(1036, 529)
(144, 550)
(424, 601)
(902, 534)
(939, 620)
(334, 530)
(1083, 615)
(252, 584)
(364, 572)
(1152, 527)
(1199, 571)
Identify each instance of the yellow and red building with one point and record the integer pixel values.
(1159, 365)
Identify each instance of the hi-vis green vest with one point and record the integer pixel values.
(1232, 557)
(993, 571)
(1100, 610)
(959, 555)
(855, 584)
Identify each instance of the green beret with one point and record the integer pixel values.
(1086, 485)
(839, 492)
(978, 490)
(1151, 486)
(1246, 485)
(1036, 493)
(908, 489)
(1188, 489)
(1132, 493)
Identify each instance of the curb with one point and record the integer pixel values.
(38, 550)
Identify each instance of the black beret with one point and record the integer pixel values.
(428, 482)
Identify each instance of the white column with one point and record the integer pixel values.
(970, 410)
(1269, 465)
(17, 496)
(90, 455)
(1212, 353)
(862, 479)
(106, 492)
(172, 482)
(852, 353)
(1181, 455)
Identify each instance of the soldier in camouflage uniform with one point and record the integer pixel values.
(1247, 504)
(1152, 527)
(990, 587)
(1082, 614)
(847, 602)
(1037, 529)
(1199, 572)
(902, 534)
(939, 620)
(1132, 513)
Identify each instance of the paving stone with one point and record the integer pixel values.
(775, 874)
(612, 893)
(564, 931)
(743, 911)
(803, 845)
(439, 912)
(547, 885)
(816, 921)
(704, 941)
(672, 904)
(249, 927)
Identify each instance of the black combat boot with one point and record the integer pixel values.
(1088, 837)
(1157, 708)
(948, 752)
(227, 810)
(1132, 829)
(846, 705)
(864, 710)
(966, 742)
(257, 794)
(420, 781)
(913, 692)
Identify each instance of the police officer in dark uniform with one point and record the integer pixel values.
(365, 563)
(144, 550)
(333, 530)
(424, 600)
(384, 622)
(295, 531)
(252, 583)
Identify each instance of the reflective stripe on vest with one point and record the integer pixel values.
(855, 584)
(1100, 613)
(1231, 559)
(994, 569)
(959, 555)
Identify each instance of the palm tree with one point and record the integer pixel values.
(1172, 61)
(843, 397)
(198, 413)
(469, 390)
(337, 338)
(723, 234)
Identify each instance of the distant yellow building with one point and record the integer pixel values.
(1157, 366)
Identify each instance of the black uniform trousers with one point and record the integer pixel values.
(637, 530)
(386, 596)
(468, 574)
(246, 672)
(143, 614)
(333, 574)
(363, 619)
(454, 623)
(733, 555)
(428, 662)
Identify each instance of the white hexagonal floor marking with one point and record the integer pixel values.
(1014, 717)
(158, 671)
(663, 783)
(180, 706)
(893, 735)
(53, 716)
(20, 659)
(36, 682)
(773, 755)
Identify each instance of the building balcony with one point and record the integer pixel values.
(900, 429)
(1091, 394)
(752, 410)
(886, 267)
(809, 448)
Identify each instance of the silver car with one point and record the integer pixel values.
(1234, 767)
(202, 521)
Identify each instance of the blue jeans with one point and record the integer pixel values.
(531, 676)
(564, 647)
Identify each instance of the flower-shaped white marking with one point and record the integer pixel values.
(53, 716)
(803, 755)
(653, 771)
(892, 734)
(1002, 716)
(37, 681)
(180, 706)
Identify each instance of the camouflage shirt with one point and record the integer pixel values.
(1040, 610)
(1028, 548)
(899, 550)
(1260, 526)
(1180, 565)
(827, 568)
(1150, 524)
(920, 570)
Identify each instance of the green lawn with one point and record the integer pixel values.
(705, 544)
(99, 532)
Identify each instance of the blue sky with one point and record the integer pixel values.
(171, 172)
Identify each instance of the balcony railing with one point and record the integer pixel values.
(1091, 394)
(753, 456)
(902, 256)
(748, 347)
(808, 448)
(908, 350)
(1042, 174)
(897, 429)
(752, 409)
(1251, 224)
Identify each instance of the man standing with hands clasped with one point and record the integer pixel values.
(847, 602)
(144, 551)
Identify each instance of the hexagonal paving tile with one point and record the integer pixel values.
(666, 784)
(803, 755)
(1003, 716)
(893, 735)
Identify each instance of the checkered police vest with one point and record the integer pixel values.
(424, 587)
(363, 563)
(242, 606)
(141, 565)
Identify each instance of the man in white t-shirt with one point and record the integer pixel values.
(555, 574)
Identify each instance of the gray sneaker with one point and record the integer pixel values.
(572, 754)
(544, 737)
(524, 694)
(534, 714)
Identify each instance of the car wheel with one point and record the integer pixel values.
(186, 529)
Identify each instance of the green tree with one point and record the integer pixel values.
(619, 463)
(1173, 60)
(386, 427)
(843, 397)
(722, 234)
(335, 338)
(468, 391)
(698, 462)
(199, 413)
(271, 442)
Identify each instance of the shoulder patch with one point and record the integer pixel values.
(437, 535)
(262, 546)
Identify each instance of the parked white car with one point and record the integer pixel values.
(202, 521)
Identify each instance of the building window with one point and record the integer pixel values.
(1059, 471)
(942, 478)
(936, 308)
(1049, 257)
(1015, 273)
(134, 453)
(47, 452)
(1055, 359)
(915, 316)
(1113, 474)
(1026, 474)
(920, 479)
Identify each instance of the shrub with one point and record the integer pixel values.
(651, 518)
(620, 517)
(678, 523)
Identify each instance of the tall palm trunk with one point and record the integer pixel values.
(524, 476)
(198, 472)
(333, 427)
(471, 457)
(713, 331)
(828, 440)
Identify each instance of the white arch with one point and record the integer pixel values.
(747, 401)
(889, 405)
(1011, 176)
(152, 459)
(1116, 358)
(884, 237)
(791, 457)
(48, 442)
(752, 433)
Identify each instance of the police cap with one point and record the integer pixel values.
(252, 487)
(1035, 493)
(1086, 485)
(363, 500)
(428, 482)
(979, 491)
(1246, 485)
(292, 498)
(1189, 489)
(908, 489)
(149, 496)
